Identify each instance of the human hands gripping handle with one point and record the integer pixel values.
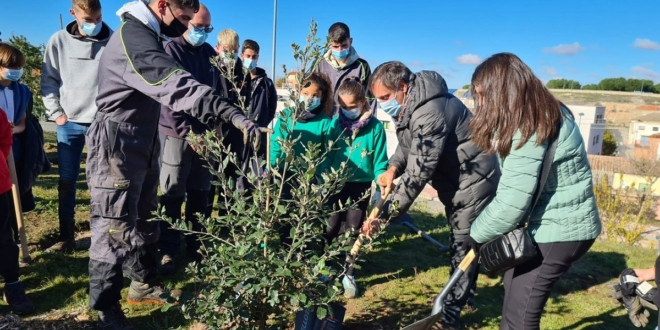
(251, 131)
(371, 224)
(636, 297)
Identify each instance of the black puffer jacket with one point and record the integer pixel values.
(435, 146)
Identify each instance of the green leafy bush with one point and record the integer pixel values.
(248, 276)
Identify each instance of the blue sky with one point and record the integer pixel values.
(580, 40)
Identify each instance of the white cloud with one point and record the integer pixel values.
(567, 49)
(550, 71)
(469, 59)
(646, 44)
(418, 64)
(645, 72)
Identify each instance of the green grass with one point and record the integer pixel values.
(397, 279)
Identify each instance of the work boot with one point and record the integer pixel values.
(167, 266)
(63, 246)
(16, 298)
(350, 287)
(114, 319)
(145, 293)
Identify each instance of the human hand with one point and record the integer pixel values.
(61, 120)
(470, 244)
(251, 131)
(370, 226)
(386, 179)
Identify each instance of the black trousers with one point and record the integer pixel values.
(528, 286)
(352, 218)
(8, 249)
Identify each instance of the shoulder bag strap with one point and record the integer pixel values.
(545, 171)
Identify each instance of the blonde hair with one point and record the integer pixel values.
(88, 6)
(228, 37)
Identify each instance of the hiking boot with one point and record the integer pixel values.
(145, 293)
(62, 247)
(16, 298)
(167, 266)
(114, 319)
(350, 287)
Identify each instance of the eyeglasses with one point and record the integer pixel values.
(207, 29)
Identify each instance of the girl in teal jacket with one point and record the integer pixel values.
(515, 117)
(311, 126)
(364, 148)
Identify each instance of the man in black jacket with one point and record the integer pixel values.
(136, 76)
(435, 147)
(184, 175)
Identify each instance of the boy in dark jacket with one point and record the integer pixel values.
(14, 293)
(263, 96)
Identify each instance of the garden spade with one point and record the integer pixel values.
(18, 209)
(428, 322)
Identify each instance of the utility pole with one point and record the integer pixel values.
(61, 24)
(274, 38)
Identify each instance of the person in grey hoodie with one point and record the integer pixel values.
(435, 146)
(136, 76)
(342, 61)
(69, 79)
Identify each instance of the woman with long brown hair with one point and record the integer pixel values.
(516, 117)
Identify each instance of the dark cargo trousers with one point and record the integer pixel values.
(122, 174)
(185, 176)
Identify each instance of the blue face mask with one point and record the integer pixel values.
(391, 107)
(342, 54)
(91, 29)
(351, 114)
(197, 37)
(310, 103)
(249, 64)
(13, 74)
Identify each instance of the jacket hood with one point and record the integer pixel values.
(352, 57)
(424, 86)
(259, 72)
(72, 29)
(140, 11)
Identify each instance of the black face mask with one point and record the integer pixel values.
(175, 29)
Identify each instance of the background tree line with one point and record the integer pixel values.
(609, 84)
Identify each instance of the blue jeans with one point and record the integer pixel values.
(70, 143)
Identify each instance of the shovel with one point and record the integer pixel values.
(18, 209)
(436, 316)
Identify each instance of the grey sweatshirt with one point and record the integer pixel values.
(69, 73)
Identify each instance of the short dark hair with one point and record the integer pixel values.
(250, 44)
(194, 4)
(339, 32)
(390, 74)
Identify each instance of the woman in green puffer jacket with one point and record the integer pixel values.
(515, 117)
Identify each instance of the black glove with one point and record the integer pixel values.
(251, 132)
(626, 292)
(470, 244)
